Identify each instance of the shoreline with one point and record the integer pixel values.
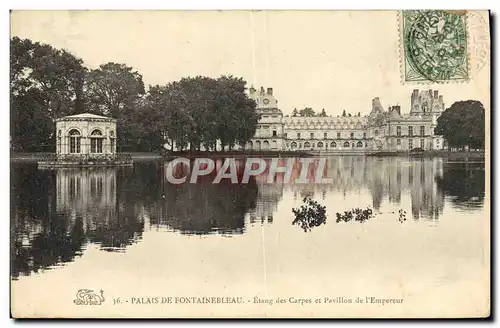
(148, 156)
(453, 155)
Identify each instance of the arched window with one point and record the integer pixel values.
(320, 144)
(96, 142)
(346, 144)
(74, 141)
(333, 145)
(294, 145)
(307, 144)
(359, 144)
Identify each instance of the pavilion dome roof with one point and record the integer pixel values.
(86, 116)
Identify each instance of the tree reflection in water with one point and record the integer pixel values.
(55, 213)
(464, 183)
(204, 207)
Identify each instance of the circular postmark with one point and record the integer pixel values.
(479, 41)
(436, 44)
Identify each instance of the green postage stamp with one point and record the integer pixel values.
(434, 45)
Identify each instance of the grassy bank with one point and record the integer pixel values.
(146, 156)
(451, 155)
(235, 153)
(35, 157)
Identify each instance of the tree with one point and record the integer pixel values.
(143, 127)
(295, 112)
(323, 113)
(117, 90)
(112, 88)
(201, 110)
(45, 83)
(307, 112)
(462, 124)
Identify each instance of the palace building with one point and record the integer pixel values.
(380, 130)
(269, 134)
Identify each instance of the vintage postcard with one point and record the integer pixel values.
(250, 164)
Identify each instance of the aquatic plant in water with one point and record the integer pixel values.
(356, 214)
(402, 215)
(311, 214)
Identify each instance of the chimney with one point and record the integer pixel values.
(397, 108)
(270, 91)
(262, 92)
(252, 90)
(436, 94)
(376, 105)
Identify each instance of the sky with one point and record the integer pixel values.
(321, 59)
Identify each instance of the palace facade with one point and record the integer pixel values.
(380, 130)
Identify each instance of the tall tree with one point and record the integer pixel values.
(201, 111)
(45, 83)
(462, 124)
(117, 90)
(233, 106)
(113, 88)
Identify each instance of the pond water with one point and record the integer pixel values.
(133, 234)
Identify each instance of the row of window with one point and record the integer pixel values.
(410, 130)
(95, 132)
(96, 145)
(320, 144)
(410, 143)
(325, 135)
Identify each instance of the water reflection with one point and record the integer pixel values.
(464, 183)
(204, 207)
(385, 178)
(55, 214)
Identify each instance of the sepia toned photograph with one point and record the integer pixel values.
(250, 164)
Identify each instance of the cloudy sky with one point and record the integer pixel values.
(322, 59)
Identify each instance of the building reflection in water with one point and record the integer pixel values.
(56, 213)
(426, 180)
(92, 195)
